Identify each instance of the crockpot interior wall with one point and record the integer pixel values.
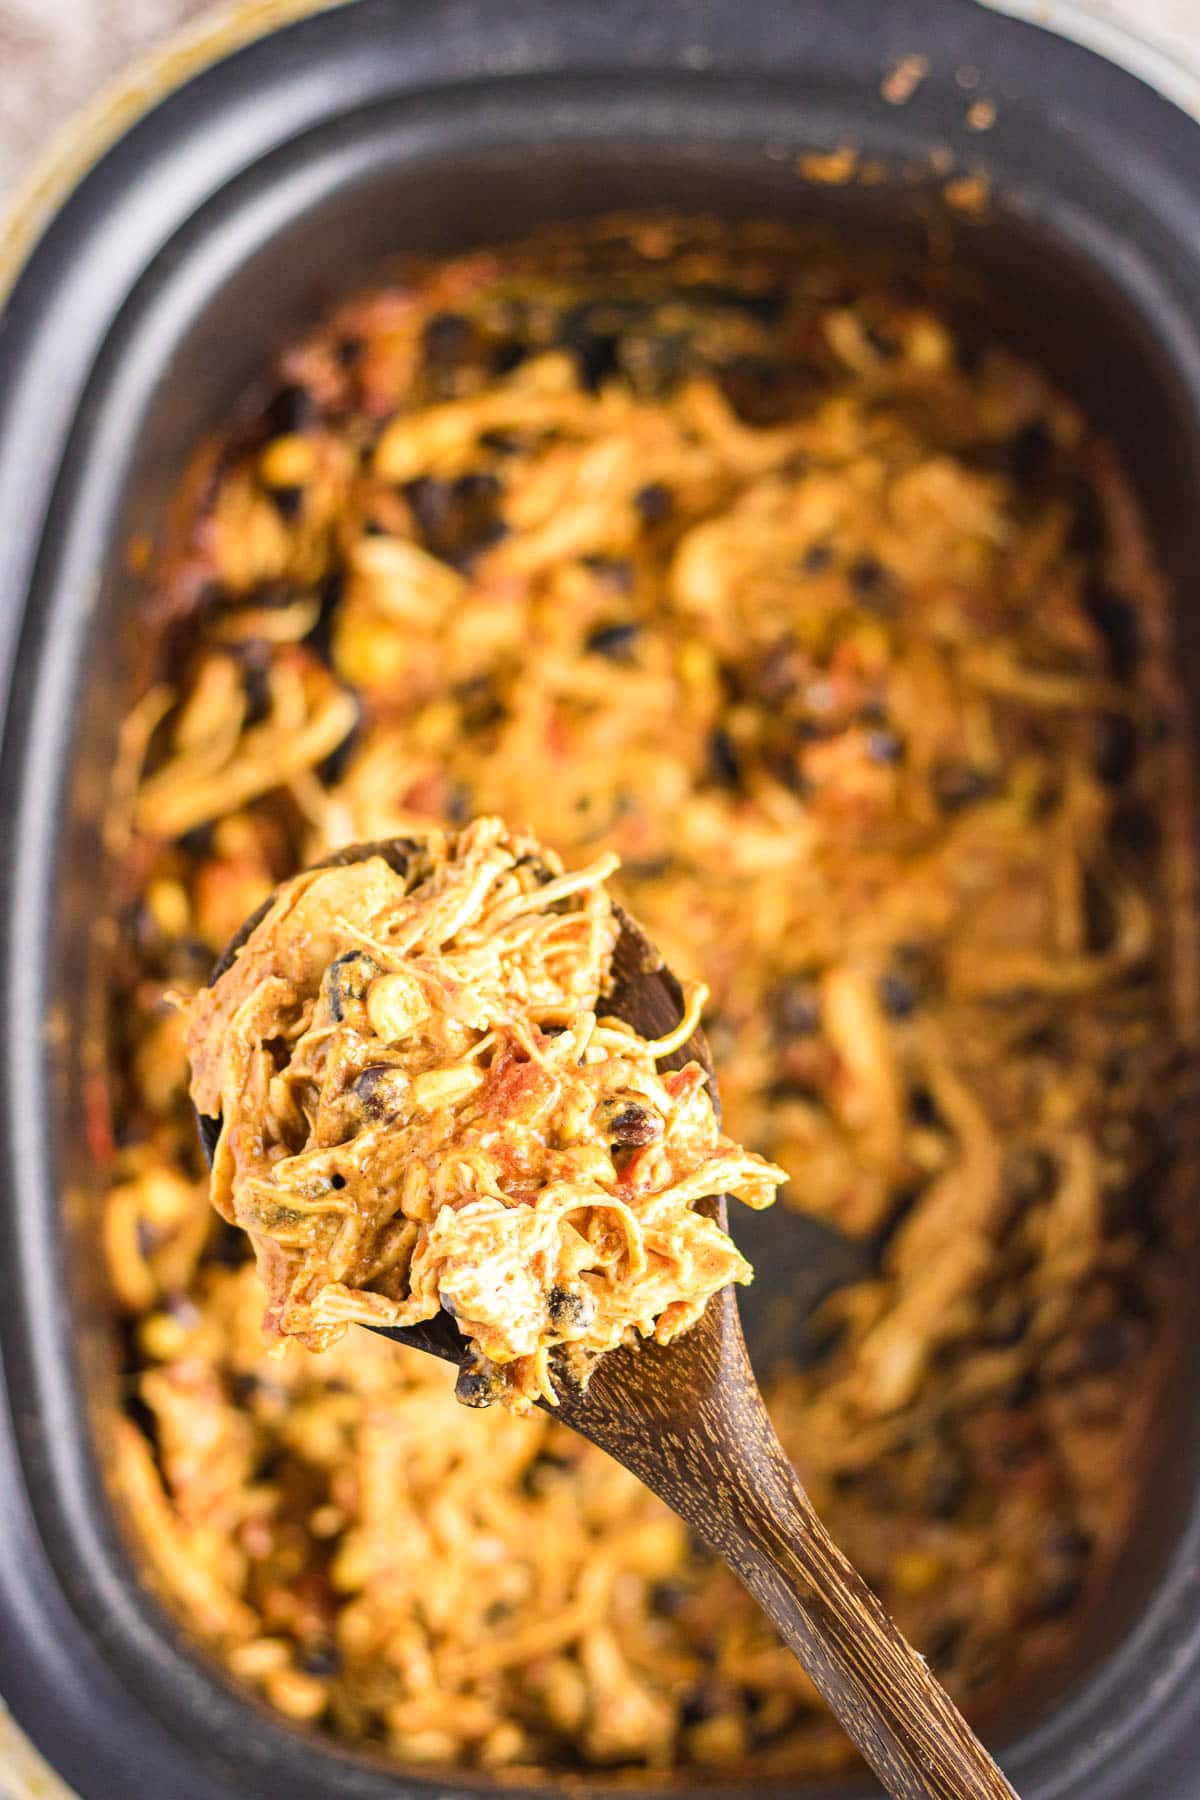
(279, 245)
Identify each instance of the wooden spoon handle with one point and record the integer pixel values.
(690, 1421)
(899, 1716)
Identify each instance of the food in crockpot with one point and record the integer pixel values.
(425, 1104)
(829, 615)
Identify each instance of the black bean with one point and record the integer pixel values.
(243, 1387)
(699, 1703)
(480, 706)
(655, 503)
(1117, 619)
(228, 1248)
(615, 572)
(479, 1383)
(943, 1642)
(182, 1309)
(724, 765)
(660, 362)
(766, 390)
(595, 351)
(329, 597)
(254, 658)
(508, 356)
(502, 443)
(346, 981)
(1030, 1175)
(923, 1109)
(197, 842)
(547, 1468)
(884, 346)
(885, 747)
(380, 1090)
(633, 1126)
(1116, 749)
(1134, 830)
(539, 867)
(946, 1489)
(816, 559)
(872, 584)
(1105, 1347)
(795, 1008)
(269, 1466)
(1056, 1597)
(1007, 1322)
(144, 1417)
(1029, 450)
(460, 803)
(1020, 1391)
(332, 768)
(337, 1183)
(293, 409)
(430, 500)
(614, 641)
(897, 995)
(1135, 1206)
(446, 338)
(1089, 527)
(1070, 1542)
(668, 1598)
(570, 1309)
(970, 348)
(456, 519)
(288, 501)
(1015, 1453)
(321, 1659)
(476, 484)
(766, 306)
(957, 785)
(348, 351)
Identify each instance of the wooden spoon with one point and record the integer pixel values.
(688, 1420)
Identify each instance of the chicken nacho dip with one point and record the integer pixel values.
(826, 613)
(424, 1104)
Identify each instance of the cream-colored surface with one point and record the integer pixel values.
(60, 56)
(55, 55)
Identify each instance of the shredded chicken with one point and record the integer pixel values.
(424, 1105)
(718, 551)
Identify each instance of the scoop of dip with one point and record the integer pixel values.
(424, 1105)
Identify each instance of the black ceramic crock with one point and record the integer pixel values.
(224, 218)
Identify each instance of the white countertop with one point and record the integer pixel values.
(56, 54)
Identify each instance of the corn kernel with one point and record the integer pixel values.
(697, 662)
(287, 462)
(395, 1006)
(370, 655)
(162, 1337)
(259, 1657)
(929, 345)
(298, 1695)
(167, 904)
(503, 1745)
(916, 1571)
(435, 726)
(656, 1547)
(445, 1087)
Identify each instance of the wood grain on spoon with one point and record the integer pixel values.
(688, 1420)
